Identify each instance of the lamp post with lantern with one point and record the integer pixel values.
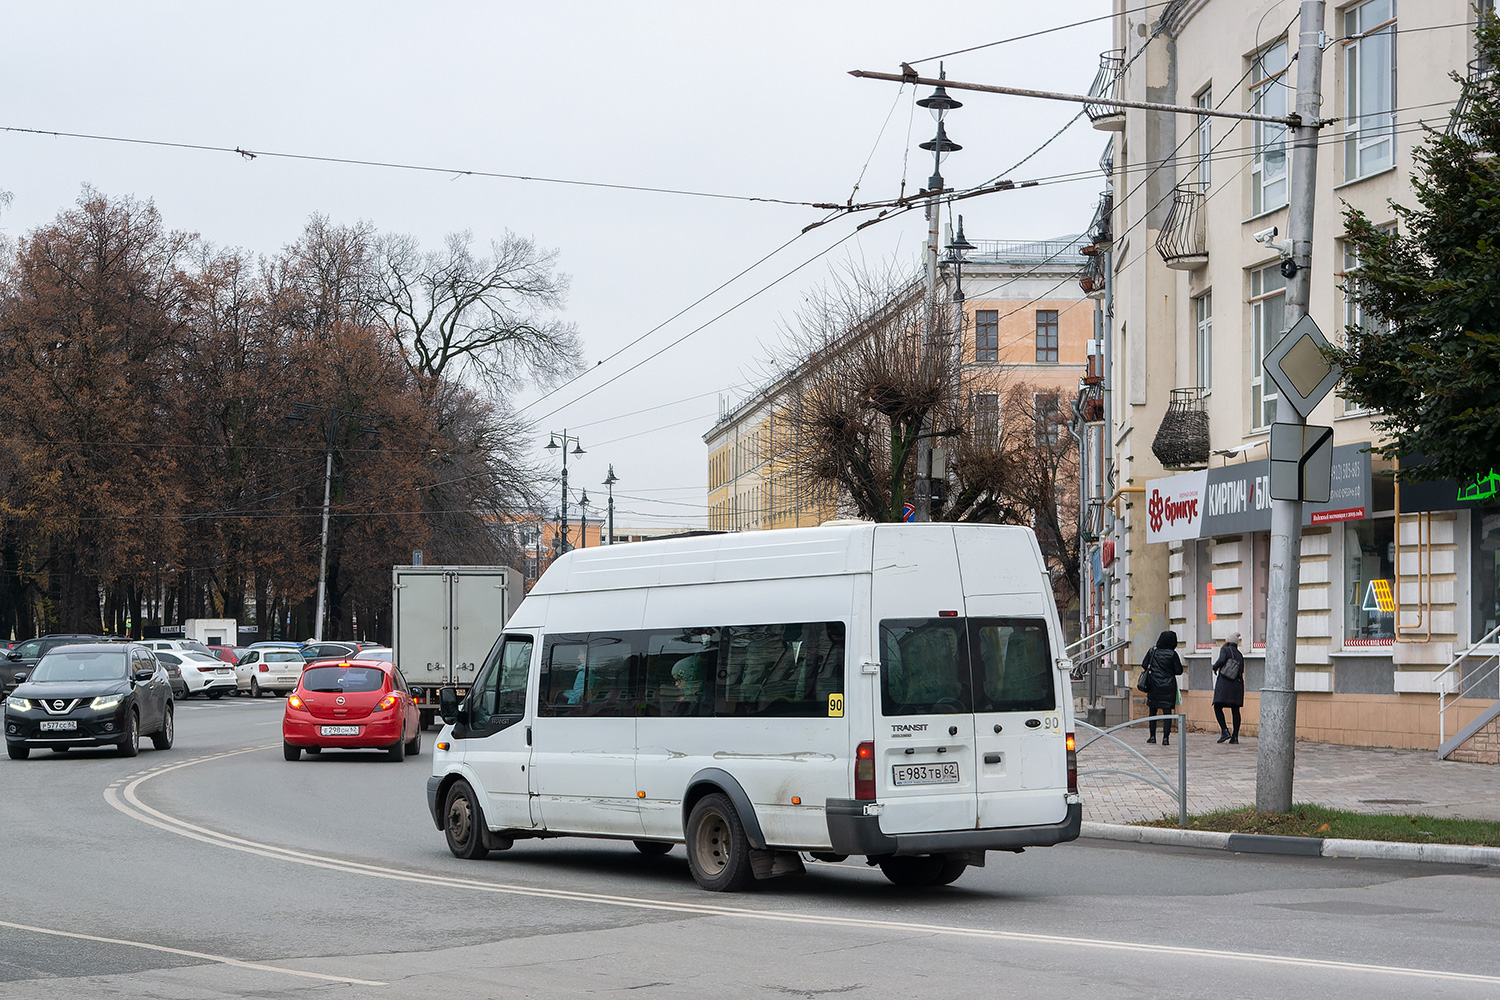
(553, 445)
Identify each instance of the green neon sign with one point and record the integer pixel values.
(1482, 488)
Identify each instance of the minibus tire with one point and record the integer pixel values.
(950, 872)
(463, 823)
(718, 850)
(652, 848)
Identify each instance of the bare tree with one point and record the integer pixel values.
(861, 390)
(488, 318)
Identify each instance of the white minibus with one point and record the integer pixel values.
(895, 691)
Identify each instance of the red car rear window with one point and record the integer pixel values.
(343, 679)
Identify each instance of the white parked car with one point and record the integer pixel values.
(268, 669)
(204, 673)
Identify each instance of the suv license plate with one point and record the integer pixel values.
(945, 773)
(49, 725)
(340, 730)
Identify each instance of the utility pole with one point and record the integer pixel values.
(939, 104)
(1278, 693)
(610, 481)
(552, 445)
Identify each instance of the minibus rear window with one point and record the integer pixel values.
(924, 666)
(938, 666)
(1012, 662)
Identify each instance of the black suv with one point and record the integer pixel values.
(19, 661)
(89, 695)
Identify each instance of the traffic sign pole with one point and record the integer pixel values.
(1278, 694)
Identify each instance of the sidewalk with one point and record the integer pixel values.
(1221, 776)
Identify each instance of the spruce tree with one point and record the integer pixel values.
(1431, 365)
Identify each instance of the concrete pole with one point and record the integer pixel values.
(1278, 693)
(923, 499)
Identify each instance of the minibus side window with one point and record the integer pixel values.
(1013, 669)
(924, 666)
(609, 676)
(786, 670)
(681, 667)
(499, 697)
(564, 674)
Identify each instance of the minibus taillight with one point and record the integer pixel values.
(1072, 765)
(864, 771)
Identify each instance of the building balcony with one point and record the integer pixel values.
(1106, 84)
(1181, 242)
(1182, 439)
(1479, 71)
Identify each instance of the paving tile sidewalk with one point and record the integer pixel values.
(1222, 776)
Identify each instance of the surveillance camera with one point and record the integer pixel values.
(1266, 235)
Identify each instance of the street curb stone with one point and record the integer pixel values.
(1248, 843)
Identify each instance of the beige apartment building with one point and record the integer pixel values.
(1026, 328)
(1395, 585)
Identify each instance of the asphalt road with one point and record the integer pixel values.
(217, 869)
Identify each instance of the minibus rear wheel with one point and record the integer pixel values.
(718, 850)
(463, 823)
(922, 870)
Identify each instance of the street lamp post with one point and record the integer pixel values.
(552, 445)
(335, 418)
(610, 481)
(583, 533)
(939, 103)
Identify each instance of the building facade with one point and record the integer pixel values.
(1395, 583)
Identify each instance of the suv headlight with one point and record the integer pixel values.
(105, 702)
(18, 704)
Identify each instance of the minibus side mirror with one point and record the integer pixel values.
(448, 704)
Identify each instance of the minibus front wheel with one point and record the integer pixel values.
(718, 850)
(463, 823)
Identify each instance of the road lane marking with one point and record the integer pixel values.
(219, 959)
(126, 799)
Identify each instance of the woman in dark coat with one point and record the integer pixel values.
(1229, 686)
(1162, 667)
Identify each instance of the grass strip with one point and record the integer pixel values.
(1319, 821)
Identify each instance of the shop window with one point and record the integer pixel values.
(1203, 572)
(1260, 547)
(1485, 563)
(1370, 582)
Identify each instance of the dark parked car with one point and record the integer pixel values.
(329, 650)
(90, 695)
(20, 660)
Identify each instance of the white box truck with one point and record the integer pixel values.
(445, 620)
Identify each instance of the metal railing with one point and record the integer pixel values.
(1063, 252)
(1161, 781)
(1479, 71)
(1181, 242)
(1183, 437)
(1107, 116)
(1453, 682)
(1089, 652)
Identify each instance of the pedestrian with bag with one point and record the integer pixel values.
(1159, 672)
(1229, 686)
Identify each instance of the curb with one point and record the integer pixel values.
(1250, 843)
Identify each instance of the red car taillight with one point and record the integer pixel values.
(1072, 765)
(389, 701)
(294, 701)
(264, 668)
(864, 771)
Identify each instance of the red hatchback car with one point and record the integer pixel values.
(351, 705)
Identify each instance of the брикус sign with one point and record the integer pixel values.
(1236, 499)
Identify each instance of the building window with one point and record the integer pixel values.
(1046, 336)
(1203, 325)
(986, 417)
(1369, 88)
(1267, 323)
(1355, 316)
(1205, 140)
(1269, 96)
(1048, 416)
(1370, 582)
(987, 335)
(1484, 532)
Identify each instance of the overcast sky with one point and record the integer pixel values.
(742, 99)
